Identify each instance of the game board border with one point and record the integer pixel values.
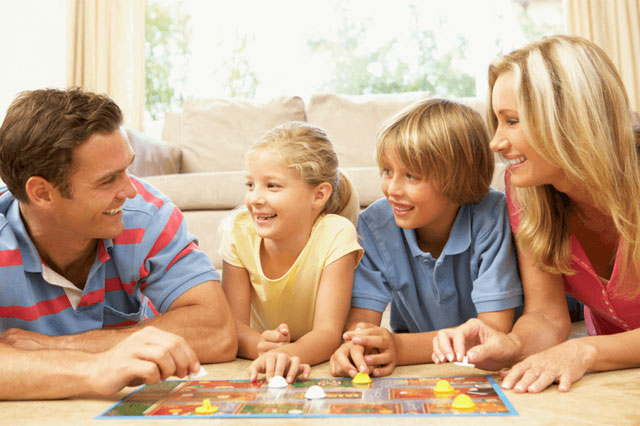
(511, 409)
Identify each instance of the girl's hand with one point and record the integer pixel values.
(278, 364)
(272, 339)
(485, 347)
(564, 364)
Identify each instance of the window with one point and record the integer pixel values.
(260, 50)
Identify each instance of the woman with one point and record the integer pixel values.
(561, 120)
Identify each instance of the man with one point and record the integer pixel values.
(90, 255)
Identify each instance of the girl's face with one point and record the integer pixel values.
(280, 202)
(416, 203)
(527, 167)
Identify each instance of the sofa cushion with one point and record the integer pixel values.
(352, 122)
(215, 133)
(203, 191)
(153, 156)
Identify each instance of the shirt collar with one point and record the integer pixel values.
(30, 257)
(459, 237)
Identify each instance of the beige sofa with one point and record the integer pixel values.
(200, 167)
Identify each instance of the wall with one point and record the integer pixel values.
(33, 46)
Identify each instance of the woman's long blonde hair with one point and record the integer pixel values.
(574, 112)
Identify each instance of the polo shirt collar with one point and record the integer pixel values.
(30, 257)
(459, 237)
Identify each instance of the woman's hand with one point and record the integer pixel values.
(564, 364)
(485, 347)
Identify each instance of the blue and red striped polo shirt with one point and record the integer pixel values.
(135, 275)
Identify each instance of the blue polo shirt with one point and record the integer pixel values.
(475, 273)
(135, 275)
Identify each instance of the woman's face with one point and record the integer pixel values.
(527, 167)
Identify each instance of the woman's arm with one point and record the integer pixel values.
(237, 289)
(545, 321)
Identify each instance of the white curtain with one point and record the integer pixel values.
(614, 25)
(106, 52)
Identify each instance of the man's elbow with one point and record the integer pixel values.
(223, 345)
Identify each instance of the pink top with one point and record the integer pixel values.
(611, 311)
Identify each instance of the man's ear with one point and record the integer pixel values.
(321, 195)
(39, 191)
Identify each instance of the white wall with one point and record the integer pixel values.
(32, 46)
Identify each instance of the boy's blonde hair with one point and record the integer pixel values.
(445, 142)
(308, 150)
(574, 112)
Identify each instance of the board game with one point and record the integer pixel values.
(390, 396)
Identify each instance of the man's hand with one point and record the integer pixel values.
(272, 339)
(149, 355)
(275, 363)
(485, 347)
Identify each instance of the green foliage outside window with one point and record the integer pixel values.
(166, 56)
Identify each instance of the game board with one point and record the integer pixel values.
(390, 396)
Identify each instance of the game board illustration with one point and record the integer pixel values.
(389, 396)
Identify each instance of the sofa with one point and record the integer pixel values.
(200, 162)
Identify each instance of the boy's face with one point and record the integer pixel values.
(416, 203)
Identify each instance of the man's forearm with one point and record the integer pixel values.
(44, 374)
(212, 338)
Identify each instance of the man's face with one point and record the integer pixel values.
(99, 186)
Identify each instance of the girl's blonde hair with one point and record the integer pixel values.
(445, 142)
(574, 112)
(308, 150)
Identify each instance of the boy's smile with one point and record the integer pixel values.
(415, 202)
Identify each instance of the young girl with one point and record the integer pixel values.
(288, 257)
(438, 248)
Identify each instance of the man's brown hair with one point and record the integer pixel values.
(41, 130)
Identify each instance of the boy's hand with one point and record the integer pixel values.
(345, 358)
(380, 347)
(272, 339)
(278, 364)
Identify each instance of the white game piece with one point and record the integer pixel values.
(315, 392)
(278, 382)
(199, 374)
(464, 363)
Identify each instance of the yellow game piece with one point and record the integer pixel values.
(361, 379)
(443, 387)
(463, 402)
(206, 408)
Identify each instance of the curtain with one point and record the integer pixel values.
(614, 25)
(105, 52)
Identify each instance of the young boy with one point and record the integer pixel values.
(438, 247)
